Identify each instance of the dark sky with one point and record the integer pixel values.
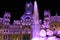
(16, 7)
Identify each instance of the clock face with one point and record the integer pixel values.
(28, 5)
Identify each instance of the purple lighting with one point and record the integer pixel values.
(30, 24)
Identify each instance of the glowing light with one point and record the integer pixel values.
(36, 27)
(35, 39)
(28, 5)
(42, 33)
(52, 38)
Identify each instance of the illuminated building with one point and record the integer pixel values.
(29, 25)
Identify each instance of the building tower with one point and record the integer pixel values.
(28, 11)
(6, 18)
(27, 20)
(36, 25)
(46, 18)
(46, 13)
(28, 8)
(6, 24)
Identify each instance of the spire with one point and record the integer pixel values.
(56, 14)
(28, 8)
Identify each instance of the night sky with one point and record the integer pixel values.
(17, 7)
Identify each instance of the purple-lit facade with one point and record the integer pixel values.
(29, 27)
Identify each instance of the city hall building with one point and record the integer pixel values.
(29, 24)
